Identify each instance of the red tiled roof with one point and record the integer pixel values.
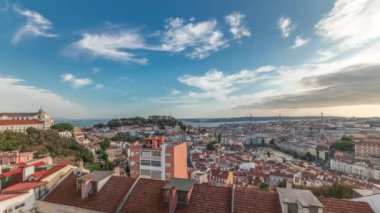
(251, 200)
(206, 198)
(344, 206)
(25, 186)
(53, 170)
(106, 200)
(38, 164)
(39, 174)
(8, 196)
(10, 173)
(146, 197)
(19, 122)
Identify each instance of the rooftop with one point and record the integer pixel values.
(180, 184)
(96, 175)
(304, 197)
(19, 122)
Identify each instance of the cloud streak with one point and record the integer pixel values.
(237, 25)
(36, 26)
(75, 82)
(354, 85)
(286, 26)
(34, 97)
(299, 42)
(196, 40)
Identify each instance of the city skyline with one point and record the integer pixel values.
(190, 59)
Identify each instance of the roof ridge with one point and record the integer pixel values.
(121, 204)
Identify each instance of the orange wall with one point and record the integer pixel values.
(180, 162)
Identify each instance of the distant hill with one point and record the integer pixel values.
(244, 119)
(160, 121)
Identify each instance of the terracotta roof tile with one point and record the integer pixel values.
(19, 122)
(106, 200)
(252, 200)
(344, 206)
(25, 186)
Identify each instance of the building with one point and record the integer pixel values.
(158, 160)
(220, 177)
(15, 157)
(366, 148)
(19, 122)
(22, 197)
(103, 192)
(348, 165)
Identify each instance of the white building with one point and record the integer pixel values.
(19, 122)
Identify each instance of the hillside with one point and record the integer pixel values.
(44, 142)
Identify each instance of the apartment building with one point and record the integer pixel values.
(366, 148)
(158, 160)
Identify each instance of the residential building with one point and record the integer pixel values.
(22, 197)
(20, 122)
(15, 157)
(366, 148)
(158, 160)
(349, 165)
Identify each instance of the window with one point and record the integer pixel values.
(313, 209)
(168, 165)
(156, 153)
(145, 162)
(145, 172)
(292, 208)
(156, 163)
(145, 154)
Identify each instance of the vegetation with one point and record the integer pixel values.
(337, 190)
(210, 146)
(160, 121)
(100, 125)
(308, 157)
(124, 137)
(62, 127)
(103, 154)
(345, 145)
(44, 142)
(264, 187)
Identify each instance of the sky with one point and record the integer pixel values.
(190, 59)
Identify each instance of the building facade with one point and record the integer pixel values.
(365, 149)
(20, 122)
(158, 160)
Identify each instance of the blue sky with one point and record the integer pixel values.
(189, 58)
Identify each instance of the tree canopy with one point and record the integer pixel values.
(44, 142)
(61, 127)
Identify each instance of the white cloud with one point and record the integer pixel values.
(286, 26)
(36, 25)
(99, 86)
(175, 92)
(351, 24)
(237, 26)
(76, 82)
(325, 55)
(200, 39)
(12, 89)
(299, 42)
(112, 46)
(264, 69)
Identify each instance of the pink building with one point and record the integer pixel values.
(158, 160)
(367, 148)
(15, 157)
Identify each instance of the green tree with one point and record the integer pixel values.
(62, 127)
(264, 187)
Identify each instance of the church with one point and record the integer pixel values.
(19, 122)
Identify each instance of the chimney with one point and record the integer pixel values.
(81, 164)
(154, 144)
(173, 198)
(85, 188)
